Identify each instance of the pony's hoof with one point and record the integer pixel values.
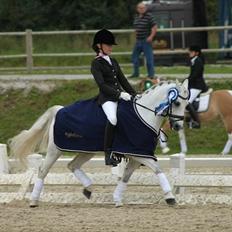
(118, 204)
(165, 150)
(34, 203)
(87, 193)
(171, 201)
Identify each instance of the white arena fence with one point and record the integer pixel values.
(30, 55)
(175, 164)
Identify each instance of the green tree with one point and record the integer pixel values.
(66, 15)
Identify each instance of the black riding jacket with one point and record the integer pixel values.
(196, 80)
(110, 80)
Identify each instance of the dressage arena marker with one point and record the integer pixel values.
(177, 176)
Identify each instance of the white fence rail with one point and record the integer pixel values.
(179, 179)
(29, 34)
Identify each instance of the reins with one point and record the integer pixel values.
(136, 103)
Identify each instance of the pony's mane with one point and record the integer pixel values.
(158, 85)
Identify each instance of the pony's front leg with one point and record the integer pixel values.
(164, 183)
(75, 167)
(52, 155)
(122, 184)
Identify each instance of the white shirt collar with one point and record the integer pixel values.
(106, 57)
(193, 60)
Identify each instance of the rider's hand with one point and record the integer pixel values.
(125, 96)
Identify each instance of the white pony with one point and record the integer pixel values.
(165, 99)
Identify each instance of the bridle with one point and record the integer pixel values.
(173, 118)
(168, 111)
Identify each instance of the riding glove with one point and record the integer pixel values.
(125, 96)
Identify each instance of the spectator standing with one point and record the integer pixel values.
(145, 29)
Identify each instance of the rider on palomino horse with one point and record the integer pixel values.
(196, 81)
(112, 84)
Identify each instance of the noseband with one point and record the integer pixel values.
(170, 114)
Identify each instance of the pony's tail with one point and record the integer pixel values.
(35, 139)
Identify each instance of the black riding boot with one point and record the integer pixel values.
(108, 141)
(194, 116)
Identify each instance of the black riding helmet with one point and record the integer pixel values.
(195, 48)
(103, 37)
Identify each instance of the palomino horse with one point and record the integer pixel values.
(149, 110)
(219, 106)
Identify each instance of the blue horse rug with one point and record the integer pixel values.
(81, 126)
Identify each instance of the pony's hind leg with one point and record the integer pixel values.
(163, 181)
(75, 167)
(228, 145)
(52, 155)
(122, 184)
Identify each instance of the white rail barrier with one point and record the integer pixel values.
(164, 162)
(29, 55)
(177, 176)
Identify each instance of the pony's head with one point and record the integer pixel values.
(166, 99)
(174, 103)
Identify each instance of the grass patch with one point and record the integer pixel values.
(210, 139)
(209, 69)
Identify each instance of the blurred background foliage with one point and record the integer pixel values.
(75, 15)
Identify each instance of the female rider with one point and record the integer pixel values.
(196, 81)
(112, 84)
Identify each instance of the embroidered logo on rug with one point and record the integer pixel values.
(72, 135)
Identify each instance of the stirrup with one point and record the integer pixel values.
(109, 160)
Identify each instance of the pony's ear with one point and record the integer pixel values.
(185, 83)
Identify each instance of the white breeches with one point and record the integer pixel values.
(193, 94)
(110, 109)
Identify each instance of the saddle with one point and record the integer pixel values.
(201, 103)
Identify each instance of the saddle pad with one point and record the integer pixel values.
(81, 126)
(204, 103)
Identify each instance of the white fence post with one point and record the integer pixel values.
(29, 50)
(4, 168)
(183, 144)
(177, 164)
